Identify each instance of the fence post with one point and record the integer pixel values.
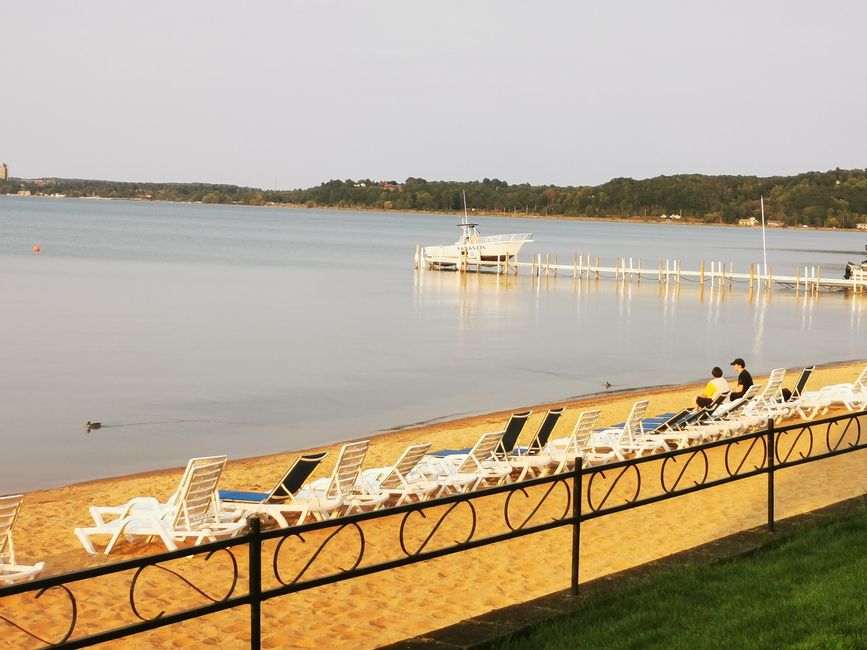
(576, 524)
(771, 442)
(255, 583)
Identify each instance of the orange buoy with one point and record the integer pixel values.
(36, 248)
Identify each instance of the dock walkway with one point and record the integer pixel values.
(667, 271)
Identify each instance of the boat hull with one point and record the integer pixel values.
(473, 252)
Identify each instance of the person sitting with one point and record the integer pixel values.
(714, 387)
(745, 379)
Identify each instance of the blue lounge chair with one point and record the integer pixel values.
(291, 482)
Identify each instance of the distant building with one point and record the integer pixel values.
(752, 221)
(23, 192)
(776, 224)
(4, 172)
(861, 226)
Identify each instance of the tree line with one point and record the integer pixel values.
(836, 198)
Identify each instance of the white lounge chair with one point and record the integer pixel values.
(851, 395)
(628, 439)
(768, 402)
(103, 514)
(561, 452)
(816, 402)
(724, 421)
(466, 472)
(191, 517)
(10, 572)
(402, 480)
(326, 497)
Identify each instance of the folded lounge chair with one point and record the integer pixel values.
(190, 517)
(273, 503)
(10, 572)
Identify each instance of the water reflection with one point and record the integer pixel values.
(651, 329)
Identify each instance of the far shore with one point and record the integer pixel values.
(636, 219)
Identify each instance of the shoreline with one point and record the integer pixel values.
(436, 425)
(361, 612)
(636, 219)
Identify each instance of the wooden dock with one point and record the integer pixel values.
(665, 271)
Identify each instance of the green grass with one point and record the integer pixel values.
(807, 589)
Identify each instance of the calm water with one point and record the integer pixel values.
(191, 329)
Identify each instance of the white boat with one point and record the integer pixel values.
(472, 248)
(852, 268)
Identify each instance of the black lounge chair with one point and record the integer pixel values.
(291, 482)
(510, 435)
(700, 414)
(672, 422)
(799, 387)
(545, 429)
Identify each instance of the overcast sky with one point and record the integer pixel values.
(295, 93)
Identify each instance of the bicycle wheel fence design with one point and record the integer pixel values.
(244, 572)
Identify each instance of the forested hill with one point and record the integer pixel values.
(834, 198)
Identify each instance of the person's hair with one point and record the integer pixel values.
(716, 372)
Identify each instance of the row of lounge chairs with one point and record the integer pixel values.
(199, 511)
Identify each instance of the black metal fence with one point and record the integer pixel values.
(422, 530)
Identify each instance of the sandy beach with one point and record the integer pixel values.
(389, 606)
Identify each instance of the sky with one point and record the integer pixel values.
(290, 94)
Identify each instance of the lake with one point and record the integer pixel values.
(196, 329)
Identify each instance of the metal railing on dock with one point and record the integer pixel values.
(667, 271)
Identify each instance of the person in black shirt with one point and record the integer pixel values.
(745, 379)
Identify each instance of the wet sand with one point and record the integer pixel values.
(389, 606)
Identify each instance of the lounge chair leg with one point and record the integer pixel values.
(114, 539)
(85, 540)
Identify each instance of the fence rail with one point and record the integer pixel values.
(281, 562)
